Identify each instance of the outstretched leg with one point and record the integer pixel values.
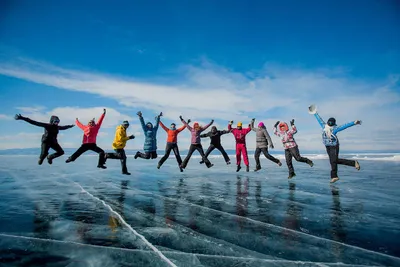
(177, 156)
(208, 152)
(269, 156)
(288, 157)
(245, 157)
(82, 149)
(238, 156)
(296, 154)
(101, 153)
(257, 154)
(44, 152)
(168, 149)
(224, 154)
(333, 159)
(192, 148)
(347, 162)
(199, 148)
(59, 152)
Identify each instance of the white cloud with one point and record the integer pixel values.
(209, 91)
(5, 117)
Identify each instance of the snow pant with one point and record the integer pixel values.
(264, 150)
(168, 148)
(294, 152)
(333, 153)
(220, 148)
(53, 145)
(241, 149)
(119, 154)
(192, 148)
(92, 147)
(148, 155)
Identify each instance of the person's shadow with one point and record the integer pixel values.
(242, 192)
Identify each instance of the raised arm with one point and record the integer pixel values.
(186, 124)
(36, 123)
(157, 122)
(252, 126)
(80, 125)
(320, 120)
(343, 127)
(65, 127)
(208, 125)
(142, 121)
(164, 127)
(276, 129)
(100, 121)
(230, 127)
(225, 132)
(181, 128)
(294, 129)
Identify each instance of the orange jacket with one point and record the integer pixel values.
(172, 134)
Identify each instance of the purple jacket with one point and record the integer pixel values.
(196, 134)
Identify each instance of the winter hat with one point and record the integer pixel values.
(261, 124)
(239, 124)
(331, 122)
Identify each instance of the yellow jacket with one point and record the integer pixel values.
(120, 138)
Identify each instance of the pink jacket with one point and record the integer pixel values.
(287, 137)
(90, 132)
(240, 135)
(195, 139)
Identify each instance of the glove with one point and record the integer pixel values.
(276, 124)
(139, 114)
(160, 114)
(189, 120)
(180, 117)
(18, 117)
(104, 111)
(71, 125)
(231, 122)
(253, 120)
(358, 122)
(292, 122)
(271, 146)
(212, 121)
(131, 136)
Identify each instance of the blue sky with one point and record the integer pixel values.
(205, 60)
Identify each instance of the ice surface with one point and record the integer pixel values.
(77, 215)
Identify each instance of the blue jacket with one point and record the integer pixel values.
(150, 135)
(333, 139)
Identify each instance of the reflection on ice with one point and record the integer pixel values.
(198, 218)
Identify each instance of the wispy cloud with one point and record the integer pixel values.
(209, 91)
(5, 117)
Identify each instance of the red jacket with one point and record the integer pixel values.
(90, 132)
(240, 135)
(172, 134)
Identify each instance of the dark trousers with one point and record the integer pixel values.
(192, 148)
(257, 154)
(119, 154)
(53, 145)
(168, 148)
(220, 148)
(294, 152)
(148, 155)
(86, 147)
(333, 153)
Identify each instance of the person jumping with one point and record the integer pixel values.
(90, 132)
(49, 137)
(290, 145)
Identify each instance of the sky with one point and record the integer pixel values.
(221, 60)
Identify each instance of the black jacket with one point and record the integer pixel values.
(50, 130)
(215, 137)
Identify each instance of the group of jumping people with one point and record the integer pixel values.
(263, 142)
